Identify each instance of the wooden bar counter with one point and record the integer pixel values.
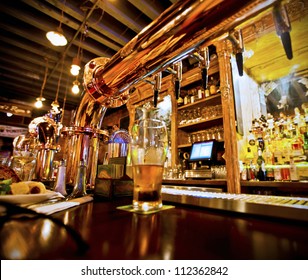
(183, 232)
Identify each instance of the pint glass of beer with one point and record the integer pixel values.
(149, 146)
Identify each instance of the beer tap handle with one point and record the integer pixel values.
(283, 28)
(204, 77)
(157, 87)
(178, 78)
(239, 63)
(205, 65)
(236, 39)
(156, 92)
(177, 88)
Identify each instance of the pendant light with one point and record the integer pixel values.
(57, 37)
(75, 88)
(76, 64)
(39, 101)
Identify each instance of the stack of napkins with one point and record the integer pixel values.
(49, 209)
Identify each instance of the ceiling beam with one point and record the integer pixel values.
(151, 9)
(122, 14)
(72, 24)
(109, 30)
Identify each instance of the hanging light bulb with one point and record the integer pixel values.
(39, 102)
(75, 67)
(57, 38)
(8, 114)
(75, 88)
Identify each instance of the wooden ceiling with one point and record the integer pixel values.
(99, 27)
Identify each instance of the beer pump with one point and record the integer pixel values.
(236, 39)
(157, 87)
(283, 28)
(178, 78)
(203, 56)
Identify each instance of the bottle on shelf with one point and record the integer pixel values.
(186, 98)
(251, 175)
(180, 101)
(200, 93)
(293, 170)
(213, 88)
(261, 166)
(244, 172)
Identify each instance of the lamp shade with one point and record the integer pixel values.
(56, 37)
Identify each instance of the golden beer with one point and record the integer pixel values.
(147, 186)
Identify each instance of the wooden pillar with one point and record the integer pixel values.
(174, 126)
(224, 50)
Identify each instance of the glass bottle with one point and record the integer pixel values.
(213, 88)
(180, 101)
(244, 172)
(261, 166)
(251, 138)
(293, 170)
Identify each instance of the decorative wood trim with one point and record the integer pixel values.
(224, 51)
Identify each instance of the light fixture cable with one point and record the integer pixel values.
(55, 104)
(45, 78)
(64, 100)
(40, 99)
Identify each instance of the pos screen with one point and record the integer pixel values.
(202, 151)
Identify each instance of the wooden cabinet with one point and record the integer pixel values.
(201, 125)
(202, 119)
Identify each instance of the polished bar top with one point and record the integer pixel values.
(183, 232)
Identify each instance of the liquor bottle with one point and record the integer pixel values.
(252, 171)
(244, 172)
(180, 101)
(251, 138)
(200, 93)
(269, 157)
(297, 143)
(213, 88)
(277, 155)
(261, 166)
(186, 99)
(270, 175)
(249, 155)
(293, 170)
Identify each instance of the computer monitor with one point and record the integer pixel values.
(203, 151)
